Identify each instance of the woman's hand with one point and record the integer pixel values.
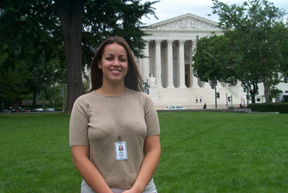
(151, 160)
(87, 170)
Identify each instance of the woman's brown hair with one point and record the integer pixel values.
(132, 80)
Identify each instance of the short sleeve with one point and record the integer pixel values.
(151, 118)
(78, 127)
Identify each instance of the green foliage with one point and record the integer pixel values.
(275, 92)
(29, 39)
(58, 109)
(30, 33)
(114, 18)
(216, 58)
(271, 107)
(255, 49)
(283, 45)
(13, 85)
(201, 152)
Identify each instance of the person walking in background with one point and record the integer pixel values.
(205, 106)
(196, 99)
(114, 129)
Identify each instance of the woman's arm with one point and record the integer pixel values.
(149, 165)
(87, 170)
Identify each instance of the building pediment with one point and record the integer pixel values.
(187, 22)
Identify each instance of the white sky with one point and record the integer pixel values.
(166, 9)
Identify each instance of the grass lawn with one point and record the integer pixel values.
(201, 152)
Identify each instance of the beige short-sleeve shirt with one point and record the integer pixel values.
(98, 120)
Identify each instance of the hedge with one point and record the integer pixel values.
(269, 107)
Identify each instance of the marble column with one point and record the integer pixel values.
(206, 84)
(158, 63)
(190, 65)
(145, 63)
(193, 78)
(170, 64)
(181, 63)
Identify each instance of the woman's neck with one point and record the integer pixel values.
(111, 90)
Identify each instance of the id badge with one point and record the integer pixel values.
(121, 150)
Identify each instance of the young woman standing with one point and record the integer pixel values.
(114, 129)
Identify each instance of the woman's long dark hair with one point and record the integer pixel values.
(132, 80)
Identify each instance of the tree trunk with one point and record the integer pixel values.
(253, 91)
(71, 20)
(253, 99)
(267, 91)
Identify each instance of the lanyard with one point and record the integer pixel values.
(117, 129)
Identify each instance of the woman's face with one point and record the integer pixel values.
(114, 64)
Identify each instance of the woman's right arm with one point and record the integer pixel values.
(87, 170)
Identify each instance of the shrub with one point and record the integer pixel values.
(58, 109)
(270, 107)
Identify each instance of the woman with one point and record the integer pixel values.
(115, 113)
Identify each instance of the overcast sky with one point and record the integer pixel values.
(166, 9)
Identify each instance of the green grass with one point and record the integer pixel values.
(35, 154)
(201, 152)
(223, 152)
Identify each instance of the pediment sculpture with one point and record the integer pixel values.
(185, 22)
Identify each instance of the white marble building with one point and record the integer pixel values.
(169, 50)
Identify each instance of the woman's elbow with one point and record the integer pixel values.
(79, 155)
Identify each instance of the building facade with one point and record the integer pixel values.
(168, 66)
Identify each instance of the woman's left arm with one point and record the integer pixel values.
(149, 165)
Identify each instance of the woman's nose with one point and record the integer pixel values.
(116, 62)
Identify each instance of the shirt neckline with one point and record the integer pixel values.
(99, 94)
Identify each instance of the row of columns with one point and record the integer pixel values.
(170, 72)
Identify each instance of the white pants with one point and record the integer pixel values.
(150, 188)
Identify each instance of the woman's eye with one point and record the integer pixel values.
(122, 59)
(109, 58)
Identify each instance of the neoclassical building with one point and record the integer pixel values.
(168, 65)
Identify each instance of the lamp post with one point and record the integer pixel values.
(246, 89)
(217, 95)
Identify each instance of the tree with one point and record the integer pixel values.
(13, 85)
(101, 19)
(71, 19)
(257, 31)
(218, 58)
(284, 49)
(30, 49)
(215, 59)
(84, 23)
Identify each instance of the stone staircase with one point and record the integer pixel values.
(185, 97)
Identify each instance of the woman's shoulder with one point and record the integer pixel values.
(136, 93)
(86, 97)
(140, 96)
